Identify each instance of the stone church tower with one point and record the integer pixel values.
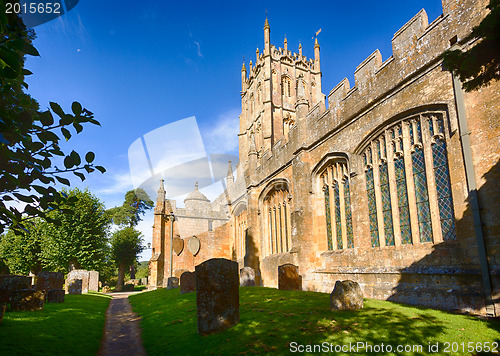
(277, 90)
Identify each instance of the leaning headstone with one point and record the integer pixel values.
(172, 283)
(27, 299)
(80, 274)
(288, 277)
(188, 282)
(93, 281)
(54, 296)
(8, 284)
(49, 280)
(217, 295)
(144, 281)
(74, 286)
(346, 295)
(247, 277)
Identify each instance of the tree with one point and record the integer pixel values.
(136, 203)
(21, 253)
(80, 238)
(29, 138)
(126, 244)
(480, 64)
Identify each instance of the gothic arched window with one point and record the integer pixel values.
(337, 202)
(276, 205)
(407, 164)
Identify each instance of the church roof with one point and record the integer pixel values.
(196, 195)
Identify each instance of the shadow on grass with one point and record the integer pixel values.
(70, 328)
(271, 319)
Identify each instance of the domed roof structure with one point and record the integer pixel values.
(196, 195)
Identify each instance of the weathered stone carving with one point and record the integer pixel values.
(9, 284)
(93, 281)
(49, 280)
(172, 283)
(217, 295)
(54, 296)
(178, 245)
(74, 286)
(188, 282)
(193, 245)
(288, 277)
(247, 277)
(346, 295)
(81, 274)
(27, 299)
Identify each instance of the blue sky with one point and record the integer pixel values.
(141, 65)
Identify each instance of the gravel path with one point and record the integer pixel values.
(122, 334)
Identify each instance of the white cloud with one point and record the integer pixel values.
(222, 137)
(120, 183)
(199, 49)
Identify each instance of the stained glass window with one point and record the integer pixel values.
(372, 207)
(386, 205)
(338, 223)
(404, 212)
(326, 190)
(421, 195)
(348, 214)
(443, 189)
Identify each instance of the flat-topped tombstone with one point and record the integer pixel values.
(93, 281)
(9, 284)
(346, 295)
(80, 274)
(247, 277)
(217, 295)
(188, 282)
(288, 277)
(49, 280)
(74, 286)
(172, 283)
(27, 299)
(54, 296)
(144, 281)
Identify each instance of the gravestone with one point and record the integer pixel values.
(93, 281)
(346, 295)
(54, 296)
(74, 286)
(80, 274)
(172, 283)
(9, 284)
(247, 277)
(49, 280)
(27, 299)
(106, 289)
(217, 295)
(144, 281)
(188, 282)
(288, 277)
(179, 272)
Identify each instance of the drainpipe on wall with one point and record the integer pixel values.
(472, 189)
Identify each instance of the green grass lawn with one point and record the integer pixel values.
(272, 320)
(74, 327)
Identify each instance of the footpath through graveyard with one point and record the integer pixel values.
(122, 334)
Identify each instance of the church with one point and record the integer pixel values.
(391, 181)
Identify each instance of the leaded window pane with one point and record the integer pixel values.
(421, 195)
(404, 212)
(348, 214)
(443, 188)
(372, 209)
(328, 218)
(386, 205)
(338, 223)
